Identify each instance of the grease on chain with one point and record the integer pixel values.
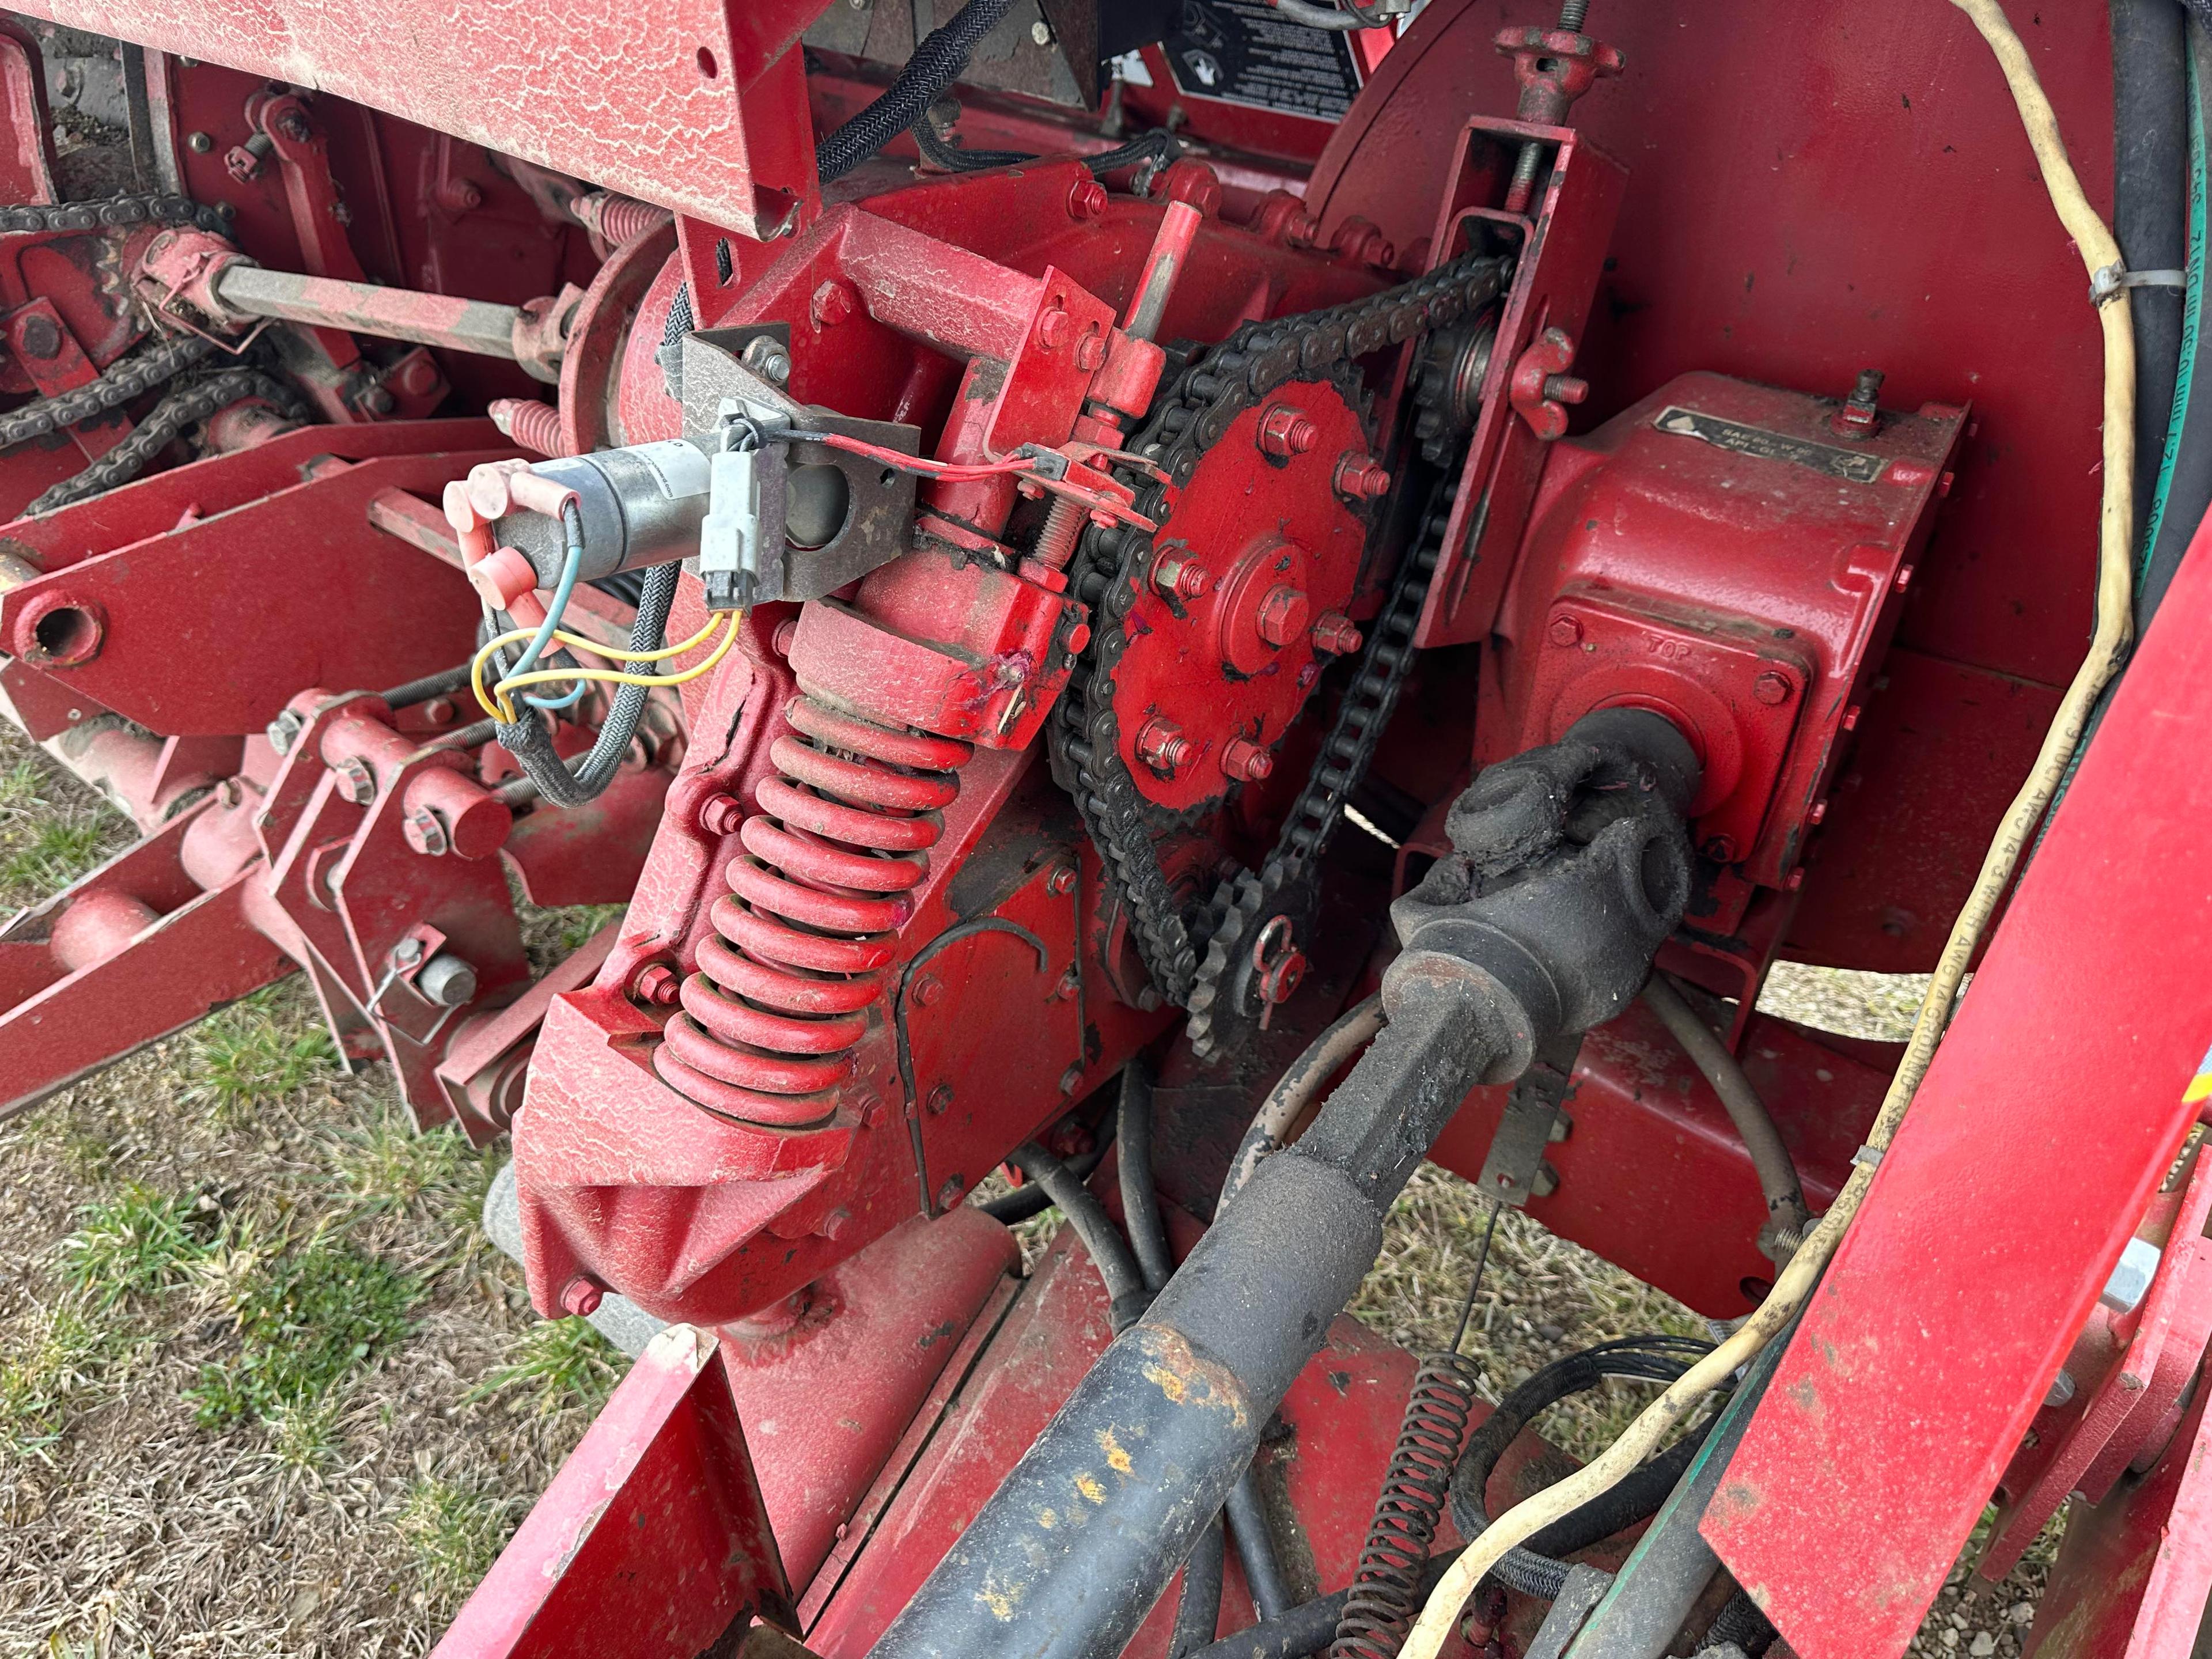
(1190, 958)
(169, 417)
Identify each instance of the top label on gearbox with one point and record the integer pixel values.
(1854, 464)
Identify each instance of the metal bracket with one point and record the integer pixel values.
(1514, 1167)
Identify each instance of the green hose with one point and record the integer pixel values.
(2192, 306)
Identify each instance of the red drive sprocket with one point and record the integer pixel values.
(1245, 597)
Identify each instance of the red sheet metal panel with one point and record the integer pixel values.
(688, 103)
(2047, 1121)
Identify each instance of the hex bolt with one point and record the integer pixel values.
(1861, 415)
(1361, 478)
(1071, 1079)
(1721, 849)
(1285, 431)
(1546, 1180)
(656, 984)
(1282, 615)
(2062, 1389)
(1070, 987)
(377, 401)
(446, 980)
(581, 1297)
(1090, 351)
(721, 814)
(357, 779)
(284, 731)
(2130, 1281)
(940, 1099)
(1061, 881)
(1161, 745)
(833, 302)
(927, 990)
(1772, 689)
(1336, 635)
(408, 952)
(1041, 32)
(1245, 762)
(765, 356)
(1087, 200)
(1182, 579)
(1052, 328)
(425, 832)
(198, 143)
(1566, 630)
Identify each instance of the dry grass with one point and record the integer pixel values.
(265, 1389)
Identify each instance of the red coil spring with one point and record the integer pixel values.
(1386, 1589)
(533, 425)
(804, 942)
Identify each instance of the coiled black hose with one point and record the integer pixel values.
(1531, 1569)
(1029, 1199)
(530, 742)
(936, 64)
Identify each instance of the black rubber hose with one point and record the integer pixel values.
(2150, 183)
(1197, 1613)
(1307, 1627)
(1125, 1286)
(1741, 1621)
(532, 744)
(2188, 484)
(936, 64)
(1030, 1200)
(1532, 1568)
(942, 152)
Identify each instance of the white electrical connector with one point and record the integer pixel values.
(729, 536)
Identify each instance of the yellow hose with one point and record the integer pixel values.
(2116, 530)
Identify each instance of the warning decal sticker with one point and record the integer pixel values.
(1244, 52)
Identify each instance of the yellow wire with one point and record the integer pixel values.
(496, 702)
(2115, 580)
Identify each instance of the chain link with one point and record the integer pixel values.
(1189, 956)
(170, 417)
(130, 379)
(115, 213)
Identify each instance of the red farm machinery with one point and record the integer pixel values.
(1202, 602)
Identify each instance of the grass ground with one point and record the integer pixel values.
(265, 1389)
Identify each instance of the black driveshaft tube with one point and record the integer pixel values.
(1570, 868)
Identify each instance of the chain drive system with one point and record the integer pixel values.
(1203, 959)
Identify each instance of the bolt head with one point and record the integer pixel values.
(1566, 630)
(1089, 351)
(1054, 327)
(656, 984)
(1161, 745)
(1069, 986)
(1282, 613)
(1061, 881)
(1721, 849)
(39, 338)
(581, 1297)
(1285, 431)
(1772, 689)
(1245, 762)
(833, 303)
(356, 781)
(425, 834)
(1182, 579)
(408, 952)
(951, 1193)
(377, 401)
(284, 731)
(940, 1099)
(1071, 1079)
(1087, 200)
(199, 144)
(1041, 32)
(927, 991)
(1335, 634)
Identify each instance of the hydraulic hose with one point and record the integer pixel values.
(532, 745)
(1778, 1171)
(1030, 1198)
(2108, 650)
(936, 64)
(1126, 1293)
(2150, 178)
(1531, 1569)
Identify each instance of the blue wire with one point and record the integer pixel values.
(571, 567)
